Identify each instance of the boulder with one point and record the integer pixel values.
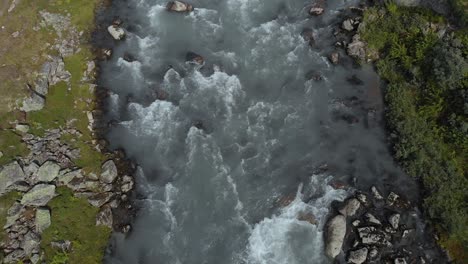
(39, 195)
(392, 198)
(348, 25)
(48, 172)
(394, 220)
(350, 208)
(335, 236)
(13, 214)
(62, 245)
(371, 236)
(127, 184)
(31, 243)
(104, 217)
(376, 193)
(22, 128)
(109, 172)
(179, 6)
(33, 103)
(100, 199)
(357, 48)
(372, 219)
(9, 175)
(42, 220)
(116, 32)
(334, 58)
(358, 256)
(14, 256)
(67, 177)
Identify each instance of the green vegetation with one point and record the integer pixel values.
(11, 146)
(74, 219)
(426, 97)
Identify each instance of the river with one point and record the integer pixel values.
(234, 156)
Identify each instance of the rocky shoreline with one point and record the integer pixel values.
(37, 178)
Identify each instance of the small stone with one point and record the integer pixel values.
(348, 25)
(392, 198)
(373, 253)
(372, 219)
(126, 229)
(92, 176)
(100, 199)
(362, 198)
(350, 208)
(178, 6)
(48, 171)
(22, 128)
(358, 256)
(104, 217)
(39, 195)
(407, 232)
(127, 184)
(109, 172)
(116, 32)
(42, 221)
(400, 261)
(63, 245)
(67, 177)
(356, 223)
(376, 193)
(316, 11)
(394, 220)
(334, 58)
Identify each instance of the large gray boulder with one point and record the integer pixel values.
(357, 48)
(104, 217)
(48, 172)
(39, 195)
(109, 172)
(42, 221)
(9, 175)
(33, 103)
(335, 236)
(351, 207)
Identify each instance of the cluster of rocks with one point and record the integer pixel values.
(28, 217)
(53, 70)
(372, 229)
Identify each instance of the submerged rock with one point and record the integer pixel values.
(348, 25)
(334, 58)
(308, 36)
(179, 6)
(335, 235)
(394, 220)
(192, 57)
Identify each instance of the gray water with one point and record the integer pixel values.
(210, 194)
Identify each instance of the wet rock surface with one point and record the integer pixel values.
(382, 230)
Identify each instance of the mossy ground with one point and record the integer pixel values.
(74, 219)
(427, 79)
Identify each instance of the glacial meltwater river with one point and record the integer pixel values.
(234, 140)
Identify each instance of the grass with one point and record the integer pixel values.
(427, 77)
(11, 146)
(74, 219)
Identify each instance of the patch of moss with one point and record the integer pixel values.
(11, 146)
(74, 219)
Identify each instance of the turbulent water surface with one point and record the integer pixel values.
(237, 138)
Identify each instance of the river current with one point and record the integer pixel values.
(236, 153)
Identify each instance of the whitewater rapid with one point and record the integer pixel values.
(209, 193)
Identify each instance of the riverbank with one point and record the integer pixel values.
(423, 59)
(60, 187)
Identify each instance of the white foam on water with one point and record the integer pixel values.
(284, 239)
